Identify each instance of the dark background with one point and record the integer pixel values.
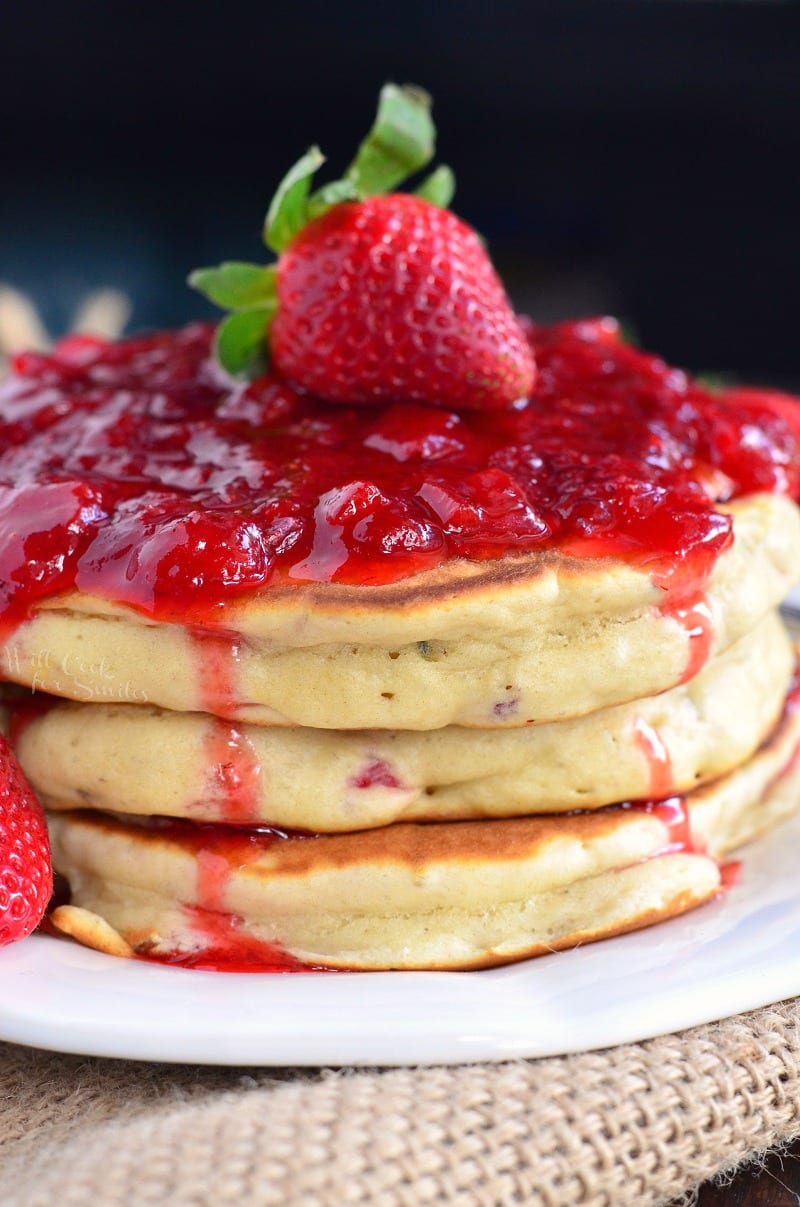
(632, 157)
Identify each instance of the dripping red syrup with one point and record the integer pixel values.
(695, 620)
(220, 850)
(234, 772)
(729, 874)
(227, 949)
(217, 668)
(673, 810)
(659, 764)
(137, 472)
(674, 813)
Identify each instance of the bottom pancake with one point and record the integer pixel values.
(440, 895)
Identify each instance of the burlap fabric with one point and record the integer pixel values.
(639, 1124)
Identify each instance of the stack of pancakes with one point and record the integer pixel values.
(481, 762)
(256, 752)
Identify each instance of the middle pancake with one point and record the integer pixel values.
(146, 761)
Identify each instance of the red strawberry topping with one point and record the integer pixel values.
(26, 877)
(758, 400)
(393, 298)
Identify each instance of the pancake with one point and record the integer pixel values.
(442, 895)
(172, 537)
(490, 645)
(140, 760)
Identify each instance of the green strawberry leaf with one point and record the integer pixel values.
(235, 285)
(400, 142)
(287, 214)
(241, 341)
(331, 194)
(439, 187)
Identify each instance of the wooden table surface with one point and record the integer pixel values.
(777, 1185)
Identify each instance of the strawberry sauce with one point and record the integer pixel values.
(674, 813)
(137, 472)
(694, 617)
(234, 773)
(729, 874)
(226, 948)
(217, 669)
(220, 851)
(659, 763)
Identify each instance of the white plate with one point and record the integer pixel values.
(738, 952)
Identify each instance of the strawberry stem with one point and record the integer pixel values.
(400, 142)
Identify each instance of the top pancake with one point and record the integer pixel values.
(172, 537)
(494, 644)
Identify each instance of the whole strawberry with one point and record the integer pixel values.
(394, 298)
(377, 296)
(26, 876)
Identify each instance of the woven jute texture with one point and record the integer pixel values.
(639, 1124)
